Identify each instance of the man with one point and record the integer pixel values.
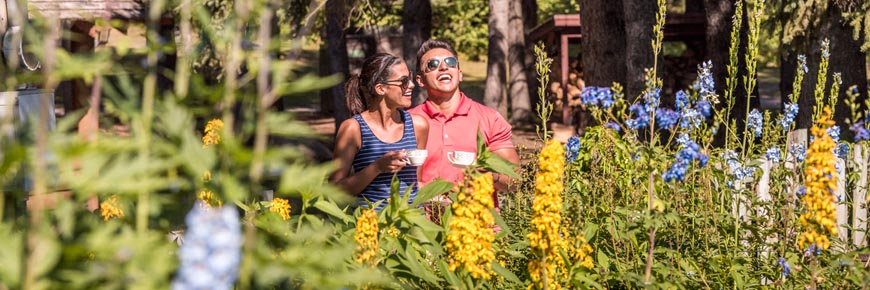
(454, 119)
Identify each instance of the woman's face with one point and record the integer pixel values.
(397, 88)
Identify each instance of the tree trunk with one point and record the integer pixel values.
(718, 31)
(845, 57)
(640, 18)
(496, 72)
(603, 42)
(519, 83)
(530, 21)
(417, 28)
(336, 58)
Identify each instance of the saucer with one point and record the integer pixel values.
(460, 165)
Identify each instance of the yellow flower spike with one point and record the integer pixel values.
(281, 207)
(366, 237)
(470, 234)
(819, 217)
(545, 240)
(109, 208)
(212, 132)
(209, 199)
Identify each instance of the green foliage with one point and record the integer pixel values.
(464, 24)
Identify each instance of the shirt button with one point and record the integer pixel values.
(445, 135)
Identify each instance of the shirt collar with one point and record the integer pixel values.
(463, 108)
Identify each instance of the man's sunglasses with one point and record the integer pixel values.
(435, 63)
(403, 82)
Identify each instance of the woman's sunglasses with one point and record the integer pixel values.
(434, 63)
(403, 82)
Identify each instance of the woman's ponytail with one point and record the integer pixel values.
(355, 101)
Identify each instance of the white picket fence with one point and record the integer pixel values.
(852, 205)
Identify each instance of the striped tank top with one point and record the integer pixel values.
(373, 148)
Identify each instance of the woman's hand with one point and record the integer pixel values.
(393, 161)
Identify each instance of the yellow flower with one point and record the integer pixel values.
(366, 238)
(208, 198)
(281, 207)
(212, 132)
(544, 240)
(470, 234)
(819, 218)
(109, 208)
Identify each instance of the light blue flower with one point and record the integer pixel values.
(704, 107)
(789, 114)
(861, 132)
(705, 84)
(613, 125)
(682, 100)
(834, 132)
(772, 154)
(755, 122)
(802, 63)
(211, 252)
(798, 151)
(842, 150)
(691, 119)
(683, 139)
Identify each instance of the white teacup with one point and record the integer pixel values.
(416, 157)
(461, 158)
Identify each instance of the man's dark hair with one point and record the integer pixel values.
(430, 45)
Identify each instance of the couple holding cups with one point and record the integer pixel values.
(432, 140)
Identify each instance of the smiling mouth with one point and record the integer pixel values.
(445, 77)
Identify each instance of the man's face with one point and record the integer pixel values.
(441, 73)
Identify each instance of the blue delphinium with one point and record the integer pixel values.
(572, 149)
(834, 132)
(826, 52)
(786, 268)
(798, 151)
(641, 117)
(704, 107)
(691, 119)
(690, 151)
(772, 154)
(666, 118)
(704, 84)
(861, 132)
(211, 252)
(682, 100)
(597, 96)
(842, 150)
(589, 96)
(613, 125)
(738, 172)
(755, 122)
(683, 139)
(790, 112)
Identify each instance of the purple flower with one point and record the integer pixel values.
(613, 125)
(641, 119)
(861, 132)
(786, 268)
(801, 191)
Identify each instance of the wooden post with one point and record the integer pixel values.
(859, 198)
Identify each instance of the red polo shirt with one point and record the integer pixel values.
(459, 133)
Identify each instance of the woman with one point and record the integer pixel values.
(369, 148)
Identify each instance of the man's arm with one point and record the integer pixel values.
(502, 182)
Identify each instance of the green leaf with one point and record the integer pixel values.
(448, 275)
(11, 249)
(431, 190)
(603, 261)
(507, 274)
(332, 209)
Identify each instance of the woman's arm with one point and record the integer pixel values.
(347, 145)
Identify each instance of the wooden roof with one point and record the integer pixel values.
(89, 9)
(677, 26)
